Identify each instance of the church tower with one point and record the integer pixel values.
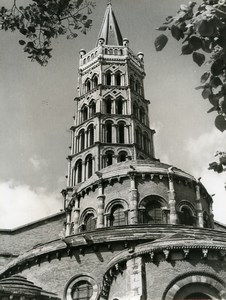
(111, 122)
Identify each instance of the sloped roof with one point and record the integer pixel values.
(110, 31)
(19, 285)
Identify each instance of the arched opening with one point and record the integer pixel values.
(109, 158)
(135, 110)
(151, 211)
(186, 217)
(145, 142)
(108, 78)
(198, 296)
(118, 79)
(95, 81)
(138, 137)
(117, 216)
(88, 85)
(142, 115)
(89, 222)
(108, 103)
(90, 135)
(137, 86)
(92, 108)
(122, 156)
(84, 113)
(89, 165)
(131, 82)
(109, 132)
(82, 290)
(121, 133)
(78, 171)
(119, 106)
(82, 139)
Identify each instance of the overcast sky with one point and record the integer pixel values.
(37, 108)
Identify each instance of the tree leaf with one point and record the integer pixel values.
(22, 42)
(215, 82)
(198, 58)
(205, 28)
(162, 28)
(220, 123)
(195, 42)
(186, 49)
(204, 77)
(212, 109)
(217, 67)
(206, 93)
(160, 42)
(176, 32)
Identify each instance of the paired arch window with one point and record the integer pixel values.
(82, 139)
(122, 156)
(186, 216)
(84, 112)
(92, 108)
(89, 222)
(152, 211)
(119, 106)
(78, 171)
(88, 85)
(121, 133)
(91, 83)
(89, 165)
(95, 81)
(117, 216)
(109, 158)
(109, 132)
(90, 131)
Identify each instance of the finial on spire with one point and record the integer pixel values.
(109, 2)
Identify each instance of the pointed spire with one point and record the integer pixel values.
(110, 31)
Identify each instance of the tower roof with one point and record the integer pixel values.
(110, 31)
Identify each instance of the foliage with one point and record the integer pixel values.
(43, 20)
(202, 31)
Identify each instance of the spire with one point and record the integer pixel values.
(110, 31)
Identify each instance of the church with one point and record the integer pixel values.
(132, 228)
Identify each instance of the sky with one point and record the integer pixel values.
(37, 108)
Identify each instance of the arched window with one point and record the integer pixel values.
(95, 81)
(84, 113)
(89, 165)
(142, 115)
(122, 156)
(82, 139)
(119, 106)
(108, 104)
(108, 78)
(88, 85)
(186, 217)
(198, 296)
(118, 78)
(152, 212)
(138, 137)
(89, 222)
(78, 171)
(90, 131)
(137, 86)
(109, 158)
(109, 132)
(117, 216)
(131, 82)
(92, 108)
(135, 110)
(82, 290)
(145, 142)
(121, 134)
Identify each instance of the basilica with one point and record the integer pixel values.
(132, 227)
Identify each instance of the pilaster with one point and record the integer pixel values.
(171, 195)
(199, 206)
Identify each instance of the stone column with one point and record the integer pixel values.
(100, 208)
(85, 139)
(135, 286)
(171, 195)
(68, 221)
(69, 181)
(133, 200)
(199, 206)
(76, 215)
(114, 133)
(83, 171)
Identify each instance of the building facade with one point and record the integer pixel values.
(133, 228)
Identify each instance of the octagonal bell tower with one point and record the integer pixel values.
(111, 122)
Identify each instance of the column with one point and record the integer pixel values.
(199, 206)
(83, 171)
(114, 133)
(113, 108)
(69, 182)
(133, 200)
(68, 222)
(100, 208)
(76, 215)
(135, 286)
(85, 139)
(171, 195)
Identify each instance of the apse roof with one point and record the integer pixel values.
(110, 31)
